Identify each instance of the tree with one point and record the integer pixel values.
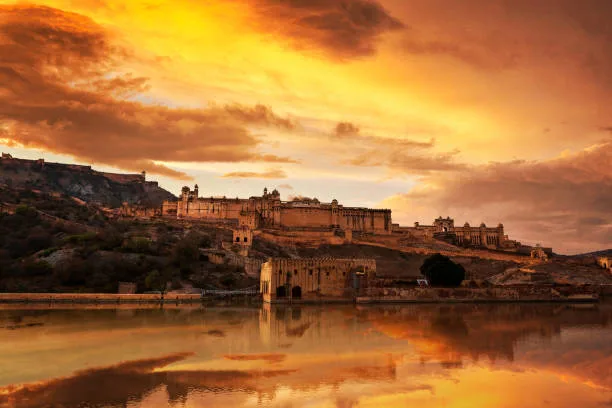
(440, 270)
(158, 281)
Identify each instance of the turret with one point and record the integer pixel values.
(184, 193)
(195, 192)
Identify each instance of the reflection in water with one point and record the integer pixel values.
(343, 356)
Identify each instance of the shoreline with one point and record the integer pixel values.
(153, 299)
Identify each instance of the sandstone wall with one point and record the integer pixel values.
(305, 217)
(521, 293)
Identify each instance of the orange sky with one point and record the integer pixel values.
(483, 110)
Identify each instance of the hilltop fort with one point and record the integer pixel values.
(308, 220)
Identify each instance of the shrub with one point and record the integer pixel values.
(81, 238)
(26, 211)
(37, 268)
(138, 245)
(440, 270)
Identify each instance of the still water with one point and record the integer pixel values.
(335, 356)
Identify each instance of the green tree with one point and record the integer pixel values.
(157, 281)
(440, 270)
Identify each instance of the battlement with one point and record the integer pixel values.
(124, 178)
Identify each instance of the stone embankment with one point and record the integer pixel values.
(86, 298)
(459, 295)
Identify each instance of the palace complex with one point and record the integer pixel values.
(269, 211)
(307, 215)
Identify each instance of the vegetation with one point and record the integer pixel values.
(56, 244)
(440, 270)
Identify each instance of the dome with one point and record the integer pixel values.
(334, 201)
(466, 225)
(500, 225)
(483, 225)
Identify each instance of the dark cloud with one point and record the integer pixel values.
(500, 34)
(563, 202)
(342, 29)
(269, 174)
(58, 92)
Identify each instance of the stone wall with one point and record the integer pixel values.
(519, 293)
(94, 298)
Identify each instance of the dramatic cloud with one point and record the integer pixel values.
(504, 35)
(342, 29)
(399, 155)
(565, 201)
(269, 174)
(61, 90)
(407, 162)
(258, 114)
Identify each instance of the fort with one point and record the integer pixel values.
(318, 222)
(268, 210)
(8, 160)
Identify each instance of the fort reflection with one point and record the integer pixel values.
(280, 355)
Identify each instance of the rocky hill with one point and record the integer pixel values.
(106, 189)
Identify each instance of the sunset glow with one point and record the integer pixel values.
(487, 111)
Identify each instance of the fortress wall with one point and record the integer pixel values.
(305, 217)
(124, 178)
(307, 238)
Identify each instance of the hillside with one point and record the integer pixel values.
(52, 242)
(107, 189)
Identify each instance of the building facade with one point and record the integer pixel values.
(444, 228)
(269, 210)
(285, 279)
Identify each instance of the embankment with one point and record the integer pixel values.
(93, 298)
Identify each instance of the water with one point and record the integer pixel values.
(335, 356)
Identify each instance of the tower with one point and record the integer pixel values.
(195, 192)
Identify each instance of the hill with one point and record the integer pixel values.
(106, 189)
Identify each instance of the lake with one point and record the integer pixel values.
(241, 355)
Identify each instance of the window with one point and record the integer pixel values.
(237, 239)
(327, 273)
(246, 239)
(310, 272)
(343, 273)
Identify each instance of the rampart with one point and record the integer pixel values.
(495, 294)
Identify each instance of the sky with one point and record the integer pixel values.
(483, 110)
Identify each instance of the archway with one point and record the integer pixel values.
(296, 292)
(281, 292)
